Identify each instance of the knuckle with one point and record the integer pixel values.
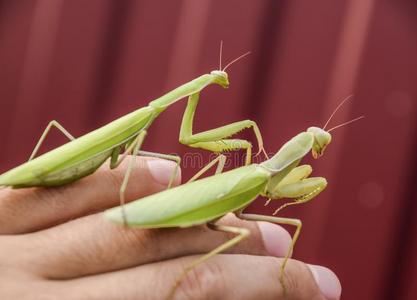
(114, 177)
(142, 240)
(291, 277)
(253, 244)
(7, 211)
(17, 203)
(11, 288)
(203, 282)
(297, 283)
(51, 198)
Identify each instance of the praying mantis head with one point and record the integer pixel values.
(221, 76)
(322, 138)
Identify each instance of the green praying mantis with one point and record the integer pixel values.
(206, 200)
(82, 156)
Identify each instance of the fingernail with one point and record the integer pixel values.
(276, 239)
(327, 281)
(162, 170)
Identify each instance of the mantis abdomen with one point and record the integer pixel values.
(79, 157)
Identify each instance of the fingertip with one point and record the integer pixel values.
(162, 171)
(327, 281)
(277, 240)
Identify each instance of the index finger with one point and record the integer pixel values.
(31, 209)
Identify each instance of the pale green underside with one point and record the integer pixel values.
(195, 203)
(80, 157)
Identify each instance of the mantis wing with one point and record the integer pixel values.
(197, 202)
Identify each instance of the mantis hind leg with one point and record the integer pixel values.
(51, 124)
(215, 135)
(286, 221)
(242, 233)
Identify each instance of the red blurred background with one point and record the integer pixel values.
(84, 63)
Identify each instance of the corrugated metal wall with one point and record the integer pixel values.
(85, 63)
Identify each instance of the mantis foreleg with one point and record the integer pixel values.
(215, 139)
(242, 233)
(286, 221)
(298, 186)
(51, 124)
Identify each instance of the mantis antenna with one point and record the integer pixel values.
(235, 60)
(337, 108)
(346, 123)
(221, 51)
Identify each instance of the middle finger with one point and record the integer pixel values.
(92, 245)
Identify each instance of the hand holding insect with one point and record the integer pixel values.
(73, 253)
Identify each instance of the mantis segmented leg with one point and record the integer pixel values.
(51, 124)
(215, 139)
(242, 233)
(134, 149)
(221, 160)
(298, 186)
(286, 221)
(174, 158)
(297, 201)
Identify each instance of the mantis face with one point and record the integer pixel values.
(221, 77)
(321, 139)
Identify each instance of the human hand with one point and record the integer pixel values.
(54, 243)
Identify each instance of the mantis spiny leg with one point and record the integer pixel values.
(278, 220)
(227, 145)
(215, 139)
(301, 191)
(242, 233)
(298, 186)
(51, 124)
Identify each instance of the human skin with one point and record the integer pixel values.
(54, 243)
